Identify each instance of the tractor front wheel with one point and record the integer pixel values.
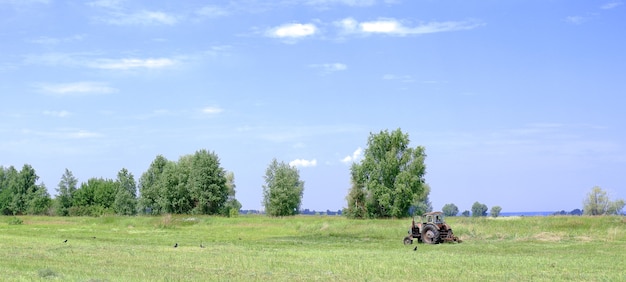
(407, 240)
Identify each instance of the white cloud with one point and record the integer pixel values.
(109, 4)
(65, 133)
(396, 27)
(303, 163)
(140, 18)
(125, 64)
(402, 78)
(293, 31)
(60, 114)
(611, 5)
(82, 88)
(354, 157)
(211, 11)
(330, 67)
(212, 110)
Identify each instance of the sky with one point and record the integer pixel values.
(518, 104)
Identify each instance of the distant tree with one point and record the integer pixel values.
(389, 179)
(207, 183)
(149, 186)
(466, 213)
(283, 189)
(8, 187)
(450, 210)
(39, 201)
(94, 198)
(576, 212)
(232, 206)
(598, 202)
(66, 189)
(424, 205)
(126, 193)
(356, 197)
(495, 211)
(479, 209)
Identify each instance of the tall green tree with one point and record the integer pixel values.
(450, 210)
(149, 186)
(356, 197)
(207, 183)
(283, 189)
(390, 177)
(598, 202)
(9, 183)
(65, 193)
(479, 209)
(126, 195)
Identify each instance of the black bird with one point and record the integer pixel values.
(65, 241)
(176, 245)
(415, 249)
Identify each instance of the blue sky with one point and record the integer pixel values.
(518, 103)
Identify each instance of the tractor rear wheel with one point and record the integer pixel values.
(430, 234)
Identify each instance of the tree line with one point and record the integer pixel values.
(388, 182)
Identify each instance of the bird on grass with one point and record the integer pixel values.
(65, 241)
(201, 246)
(176, 245)
(415, 249)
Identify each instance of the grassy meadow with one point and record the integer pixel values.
(308, 248)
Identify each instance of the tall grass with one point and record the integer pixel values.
(308, 248)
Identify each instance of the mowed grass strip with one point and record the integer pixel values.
(308, 248)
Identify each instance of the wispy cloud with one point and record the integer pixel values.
(133, 63)
(329, 68)
(576, 19)
(60, 114)
(140, 18)
(212, 11)
(356, 155)
(65, 133)
(83, 88)
(46, 40)
(292, 31)
(212, 110)
(611, 5)
(402, 78)
(303, 163)
(398, 28)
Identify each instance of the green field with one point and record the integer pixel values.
(308, 248)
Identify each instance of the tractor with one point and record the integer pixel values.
(430, 229)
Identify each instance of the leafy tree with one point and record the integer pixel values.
(174, 196)
(207, 183)
(466, 213)
(283, 189)
(390, 177)
(450, 210)
(479, 209)
(94, 198)
(66, 189)
(39, 201)
(598, 202)
(424, 205)
(232, 206)
(356, 197)
(149, 186)
(9, 182)
(126, 195)
(495, 211)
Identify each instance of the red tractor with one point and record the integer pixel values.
(431, 229)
